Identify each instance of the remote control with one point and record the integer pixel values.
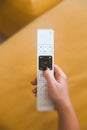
(45, 58)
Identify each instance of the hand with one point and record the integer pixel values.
(57, 86)
(58, 91)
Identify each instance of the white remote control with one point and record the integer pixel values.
(45, 58)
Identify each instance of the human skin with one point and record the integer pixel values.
(57, 87)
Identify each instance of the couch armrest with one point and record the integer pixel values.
(18, 68)
(15, 14)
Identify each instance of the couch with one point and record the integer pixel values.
(16, 14)
(18, 68)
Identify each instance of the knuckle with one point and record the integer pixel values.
(65, 76)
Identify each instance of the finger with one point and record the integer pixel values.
(50, 78)
(34, 82)
(48, 74)
(34, 90)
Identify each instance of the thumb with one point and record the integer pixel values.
(49, 76)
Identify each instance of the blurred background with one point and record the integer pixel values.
(15, 14)
(19, 21)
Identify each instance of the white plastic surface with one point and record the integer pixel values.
(45, 46)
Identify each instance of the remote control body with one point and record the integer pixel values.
(45, 58)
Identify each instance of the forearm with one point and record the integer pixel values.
(67, 118)
(58, 91)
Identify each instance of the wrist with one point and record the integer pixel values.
(64, 106)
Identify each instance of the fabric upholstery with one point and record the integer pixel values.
(18, 68)
(15, 14)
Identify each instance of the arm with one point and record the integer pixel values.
(58, 91)
(67, 118)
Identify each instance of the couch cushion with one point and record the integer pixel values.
(18, 68)
(15, 14)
